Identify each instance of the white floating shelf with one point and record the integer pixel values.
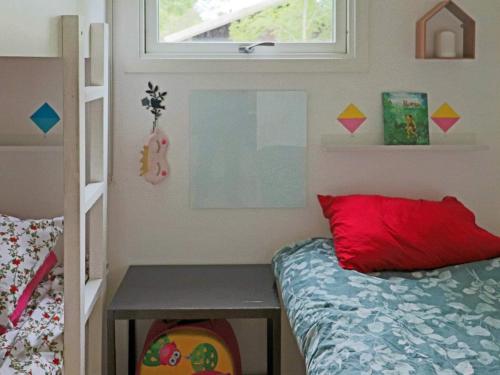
(93, 290)
(385, 148)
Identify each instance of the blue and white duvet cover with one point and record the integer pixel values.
(443, 322)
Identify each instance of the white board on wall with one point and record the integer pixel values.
(248, 149)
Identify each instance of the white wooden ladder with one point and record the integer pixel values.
(85, 121)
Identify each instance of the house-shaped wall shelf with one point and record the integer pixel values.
(468, 26)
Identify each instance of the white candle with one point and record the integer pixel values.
(446, 44)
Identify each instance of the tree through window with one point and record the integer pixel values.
(317, 25)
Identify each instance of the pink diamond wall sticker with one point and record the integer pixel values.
(352, 124)
(352, 118)
(445, 117)
(445, 123)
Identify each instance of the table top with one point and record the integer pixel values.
(196, 292)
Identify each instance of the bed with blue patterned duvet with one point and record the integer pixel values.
(443, 322)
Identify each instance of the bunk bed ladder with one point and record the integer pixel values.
(85, 121)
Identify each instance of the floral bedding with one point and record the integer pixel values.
(445, 321)
(25, 249)
(35, 345)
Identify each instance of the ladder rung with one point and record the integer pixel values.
(94, 93)
(93, 290)
(92, 193)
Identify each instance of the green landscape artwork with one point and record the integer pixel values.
(406, 118)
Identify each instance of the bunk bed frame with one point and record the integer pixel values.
(85, 153)
(85, 145)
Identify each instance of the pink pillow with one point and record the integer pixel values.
(25, 259)
(375, 233)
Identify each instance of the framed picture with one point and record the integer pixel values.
(406, 118)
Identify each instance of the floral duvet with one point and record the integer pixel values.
(35, 345)
(443, 322)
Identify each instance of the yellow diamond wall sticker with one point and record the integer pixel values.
(352, 118)
(445, 111)
(445, 117)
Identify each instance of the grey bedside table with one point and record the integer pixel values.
(196, 292)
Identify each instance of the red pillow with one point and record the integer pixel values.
(375, 233)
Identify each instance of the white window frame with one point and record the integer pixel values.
(339, 49)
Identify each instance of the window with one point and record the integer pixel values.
(230, 28)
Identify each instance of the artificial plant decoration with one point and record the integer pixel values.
(154, 166)
(154, 102)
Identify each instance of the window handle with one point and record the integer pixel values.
(251, 47)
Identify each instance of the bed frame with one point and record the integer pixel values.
(84, 164)
(85, 118)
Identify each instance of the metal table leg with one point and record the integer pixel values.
(131, 347)
(111, 358)
(274, 345)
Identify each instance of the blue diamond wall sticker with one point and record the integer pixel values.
(45, 118)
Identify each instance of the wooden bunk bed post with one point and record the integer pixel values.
(74, 157)
(85, 202)
(99, 68)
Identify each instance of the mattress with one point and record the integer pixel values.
(35, 346)
(445, 321)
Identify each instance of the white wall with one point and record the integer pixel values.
(155, 225)
(32, 27)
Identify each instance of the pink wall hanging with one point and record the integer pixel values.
(154, 166)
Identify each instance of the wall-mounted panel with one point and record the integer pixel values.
(248, 149)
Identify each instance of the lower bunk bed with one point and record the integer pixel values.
(445, 321)
(31, 297)
(35, 345)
